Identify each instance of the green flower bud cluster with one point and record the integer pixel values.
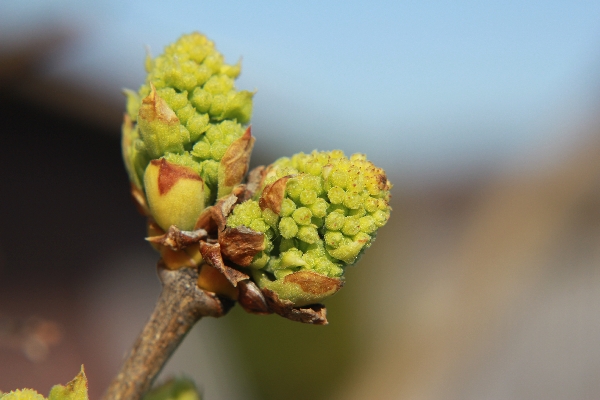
(188, 113)
(327, 214)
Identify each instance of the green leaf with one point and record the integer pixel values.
(74, 390)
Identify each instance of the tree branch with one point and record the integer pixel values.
(180, 305)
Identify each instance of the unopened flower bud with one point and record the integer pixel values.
(175, 194)
(328, 208)
(187, 114)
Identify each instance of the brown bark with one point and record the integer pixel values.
(180, 305)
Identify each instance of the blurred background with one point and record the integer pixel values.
(485, 284)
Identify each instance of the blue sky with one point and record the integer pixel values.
(415, 85)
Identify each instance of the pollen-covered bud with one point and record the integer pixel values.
(319, 212)
(187, 114)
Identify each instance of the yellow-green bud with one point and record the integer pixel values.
(175, 194)
(329, 209)
(189, 113)
(185, 142)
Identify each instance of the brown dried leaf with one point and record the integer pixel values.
(214, 219)
(247, 190)
(315, 314)
(177, 239)
(226, 204)
(172, 259)
(234, 164)
(205, 221)
(241, 244)
(251, 298)
(212, 255)
(155, 108)
(255, 178)
(221, 210)
(240, 191)
(273, 194)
